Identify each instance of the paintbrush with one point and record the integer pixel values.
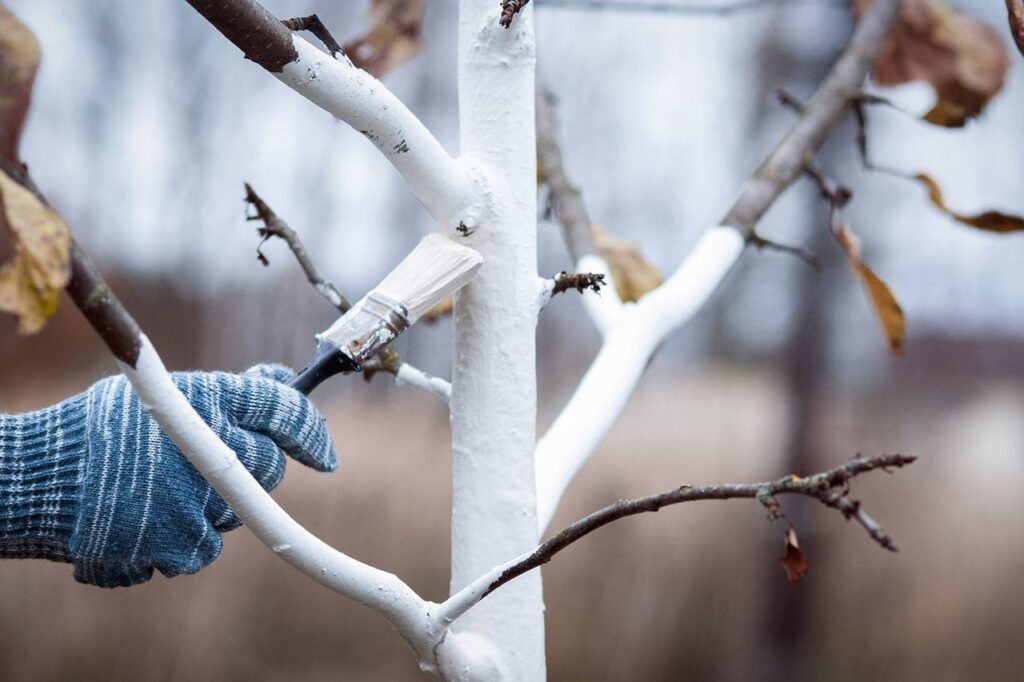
(435, 269)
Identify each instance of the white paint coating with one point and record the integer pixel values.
(630, 340)
(359, 99)
(407, 374)
(494, 375)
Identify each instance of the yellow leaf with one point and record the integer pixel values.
(991, 221)
(890, 315)
(31, 282)
(634, 276)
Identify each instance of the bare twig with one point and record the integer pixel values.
(273, 226)
(510, 8)
(831, 488)
(314, 25)
(807, 256)
(788, 160)
(580, 281)
(688, 8)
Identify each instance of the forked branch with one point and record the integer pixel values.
(831, 488)
(639, 330)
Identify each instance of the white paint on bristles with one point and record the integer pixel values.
(434, 270)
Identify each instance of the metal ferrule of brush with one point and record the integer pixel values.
(368, 326)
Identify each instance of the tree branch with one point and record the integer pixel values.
(831, 488)
(636, 332)
(274, 226)
(818, 119)
(349, 94)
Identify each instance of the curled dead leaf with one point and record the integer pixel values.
(30, 284)
(887, 308)
(794, 561)
(19, 60)
(991, 221)
(963, 59)
(394, 38)
(634, 276)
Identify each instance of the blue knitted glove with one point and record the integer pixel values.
(95, 481)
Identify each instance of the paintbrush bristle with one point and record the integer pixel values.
(435, 269)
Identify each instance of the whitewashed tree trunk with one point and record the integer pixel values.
(494, 377)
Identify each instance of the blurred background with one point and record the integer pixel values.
(146, 123)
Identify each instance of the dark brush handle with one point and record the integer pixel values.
(329, 360)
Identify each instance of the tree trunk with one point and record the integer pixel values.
(494, 375)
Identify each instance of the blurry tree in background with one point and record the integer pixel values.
(480, 198)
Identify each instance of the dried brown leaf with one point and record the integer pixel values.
(19, 60)
(634, 276)
(394, 38)
(890, 315)
(31, 282)
(794, 560)
(963, 59)
(991, 221)
(1015, 15)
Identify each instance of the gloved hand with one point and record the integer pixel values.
(95, 482)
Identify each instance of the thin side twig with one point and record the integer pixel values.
(580, 281)
(314, 25)
(806, 255)
(274, 226)
(830, 487)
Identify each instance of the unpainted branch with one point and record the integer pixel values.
(818, 119)
(253, 29)
(273, 226)
(580, 281)
(831, 488)
(565, 198)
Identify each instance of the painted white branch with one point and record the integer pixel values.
(359, 99)
(494, 377)
(407, 374)
(637, 331)
(410, 615)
